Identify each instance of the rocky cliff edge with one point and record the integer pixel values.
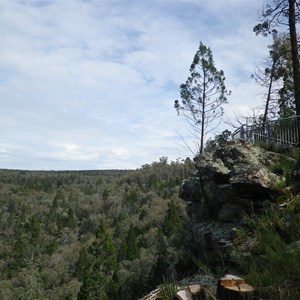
(230, 181)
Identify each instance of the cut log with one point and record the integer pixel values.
(183, 295)
(198, 292)
(195, 289)
(192, 292)
(231, 280)
(234, 288)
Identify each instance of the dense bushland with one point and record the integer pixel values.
(90, 234)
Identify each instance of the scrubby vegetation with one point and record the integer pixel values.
(269, 242)
(90, 234)
(272, 265)
(274, 268)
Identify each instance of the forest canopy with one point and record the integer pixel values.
(89, 233)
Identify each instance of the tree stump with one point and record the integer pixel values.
(234, 288)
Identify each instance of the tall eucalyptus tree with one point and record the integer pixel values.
(284, 13)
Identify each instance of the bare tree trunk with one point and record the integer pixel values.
(269, 94)
(203, 115)
(295, 59)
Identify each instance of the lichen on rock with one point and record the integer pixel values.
(228, 182)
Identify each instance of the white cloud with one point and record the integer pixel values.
(91, 84)
(120, 152)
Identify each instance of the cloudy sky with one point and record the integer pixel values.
(92, 84)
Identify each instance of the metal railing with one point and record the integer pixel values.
(282, 131)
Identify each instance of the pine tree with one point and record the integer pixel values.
(133, 250)
(129, 249)
(100, 267)
(173, 221)
(202, 96)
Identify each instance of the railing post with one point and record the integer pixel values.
(280, 131)
(298, 131)
(268, 130)
(242, 133)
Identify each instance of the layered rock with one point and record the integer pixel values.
(230, 181)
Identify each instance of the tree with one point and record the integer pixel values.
(286, 94)
(202, 95)
(173, 222)
(275, 76)
(129, 250)
(284, 12)
(218, 141)
(100, 265)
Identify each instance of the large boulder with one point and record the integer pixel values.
(228, 182)
(253, 179)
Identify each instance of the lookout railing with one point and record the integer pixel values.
(282, 131)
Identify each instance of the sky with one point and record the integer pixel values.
(91, 84)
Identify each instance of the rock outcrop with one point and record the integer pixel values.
(230, 181)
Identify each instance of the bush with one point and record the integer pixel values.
(274, 267)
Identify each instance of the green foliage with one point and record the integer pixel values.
(218, 141)
(82, 264)
(162, 243)
(202, 95)
(284, 167)
(158, 270)
(131, 201)
(129, 250)
(89, 190)
(281, 149)
(275, 15)
(274, 265)
(276, 77)
(114, 288)
(167, 291)
(105, 194)
(59, 195)
(65, 229)
(173, 222)
(99, 266)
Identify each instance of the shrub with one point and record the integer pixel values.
(274, 267)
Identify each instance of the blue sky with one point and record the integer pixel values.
(92, 84)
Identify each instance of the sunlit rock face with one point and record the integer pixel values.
(228, 182)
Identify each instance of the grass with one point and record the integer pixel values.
(274, 266)
(284, 167)
(168, 290)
